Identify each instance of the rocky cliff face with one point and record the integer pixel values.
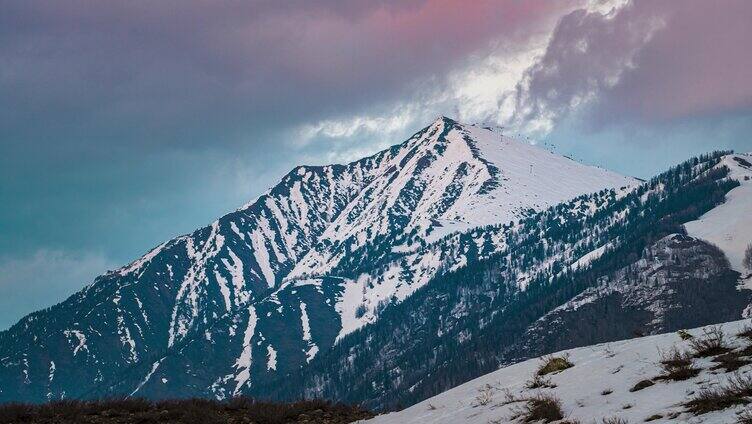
(678, 282)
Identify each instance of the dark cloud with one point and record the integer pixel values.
(199, 72)
(699, 64)
(648, 62)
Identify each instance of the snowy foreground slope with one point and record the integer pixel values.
(597, 387)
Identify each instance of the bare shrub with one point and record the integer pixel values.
(677, 366)
(731, 361)
(675, 358)
(746, 332)
(539, 382)
(744, 417)
(484, 396)
(712, 343)
(735, 392)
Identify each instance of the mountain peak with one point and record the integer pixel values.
(444, 121)
(271, 285)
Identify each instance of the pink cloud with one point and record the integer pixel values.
(699, 64)
(649, 61)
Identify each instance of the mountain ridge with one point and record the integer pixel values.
(227, 283)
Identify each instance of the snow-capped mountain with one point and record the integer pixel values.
(601, 267)
(446, 178)
(601, 385)
(267, 288)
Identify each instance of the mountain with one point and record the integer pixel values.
(266, 289)
(602, 385)
(598, 268)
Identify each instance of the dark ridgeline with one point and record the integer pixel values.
(188, 411)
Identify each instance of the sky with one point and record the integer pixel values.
(124, 124)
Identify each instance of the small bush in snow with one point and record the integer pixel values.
(731, 361)
(360, 310)
(677, 366)
(712, 343)
(543, 408)
(746, 332)
(675, 358)
(745, 417)
(552, 364)
(484, 396)
(539, 382)
(735, 392)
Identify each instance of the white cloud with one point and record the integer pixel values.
(477, 90)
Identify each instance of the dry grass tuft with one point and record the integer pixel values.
(735, 392)
(746, 332)
(543, 408)
(744, 417)
(539, 382)
(712, 343)
(551, 364)
(731, 361)
(677, 366)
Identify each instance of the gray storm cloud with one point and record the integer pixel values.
(647, 61)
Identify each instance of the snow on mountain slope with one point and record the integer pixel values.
(363, 297)
(597, 387)
(729, 226)
(447, 178)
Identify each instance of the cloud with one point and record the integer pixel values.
(43, 279)
(648, 62)
(698, 65)
(144, 73)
